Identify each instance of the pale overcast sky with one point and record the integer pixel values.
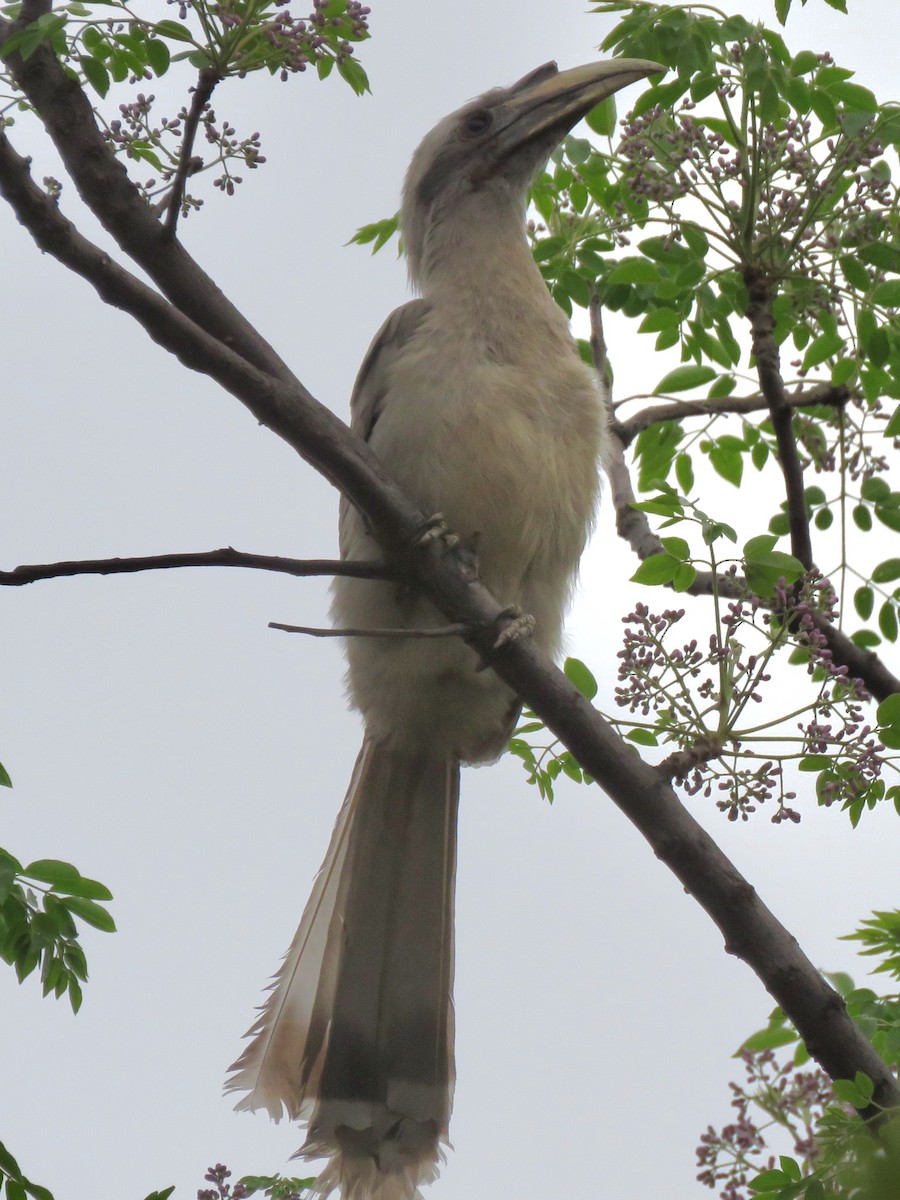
(168, 743)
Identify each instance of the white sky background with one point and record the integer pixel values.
(161, 738)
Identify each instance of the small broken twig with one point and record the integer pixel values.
(441, 631)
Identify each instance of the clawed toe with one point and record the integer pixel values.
(512, 624)
(435, 530)
(518, 625)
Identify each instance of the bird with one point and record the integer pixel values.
(476, 400)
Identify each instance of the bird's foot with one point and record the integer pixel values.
(512, 625)
(518, 625)
(435, 530)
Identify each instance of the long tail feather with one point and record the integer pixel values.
(356, 1037)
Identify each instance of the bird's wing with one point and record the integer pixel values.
(371, 385)
(372, 381)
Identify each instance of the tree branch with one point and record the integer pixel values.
(628, 430)
(206, 85)
(447, 578)
(632, 524)
(768, 368)
(634, 528)
(226, 557)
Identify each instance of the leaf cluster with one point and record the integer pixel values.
(106, 43)
(39, 907)
(836, 1155)
(14, 1184)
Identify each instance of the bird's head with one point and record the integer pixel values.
(491, 149)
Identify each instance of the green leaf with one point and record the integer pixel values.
(644, 737)
(823, 106)
(684, 577)
(352, 72)
(657, 569)
(723, 386)
(865, 1085)
(158, 55)
(658, 319)
(602, 119)
(892, 429)
(695, 238)
(854, 96)
(173, 31)
(52, 871)
(91, 912)
(862, 517)
(728, 463)
(581, 676)
(804, 62)
(888, 515)
(815, 762)
(684, 473)
(887, 571)
(8, 1164)
(790, 1166)
(770, 1038)
(875, 488)
(887, 294)
(888, 711)
(664, 95)
(768, 1181)
(633, 270)
(5, 780)
(377, 233)
(847, 1092)
(843, 371)
(823, 347)
(855, 273)
(677, 546)
(887, 621)
(95, 73)
(682, 378)
(865, 639)
(864, 602)
(718, 529)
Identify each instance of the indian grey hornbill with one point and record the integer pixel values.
(477, 402)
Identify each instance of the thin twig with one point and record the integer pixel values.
(628, 430)
(206, 84)
(226, 557)
(443, 631)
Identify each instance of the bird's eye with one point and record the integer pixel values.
(478, 122)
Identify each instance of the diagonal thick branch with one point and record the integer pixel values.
(448, 579)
